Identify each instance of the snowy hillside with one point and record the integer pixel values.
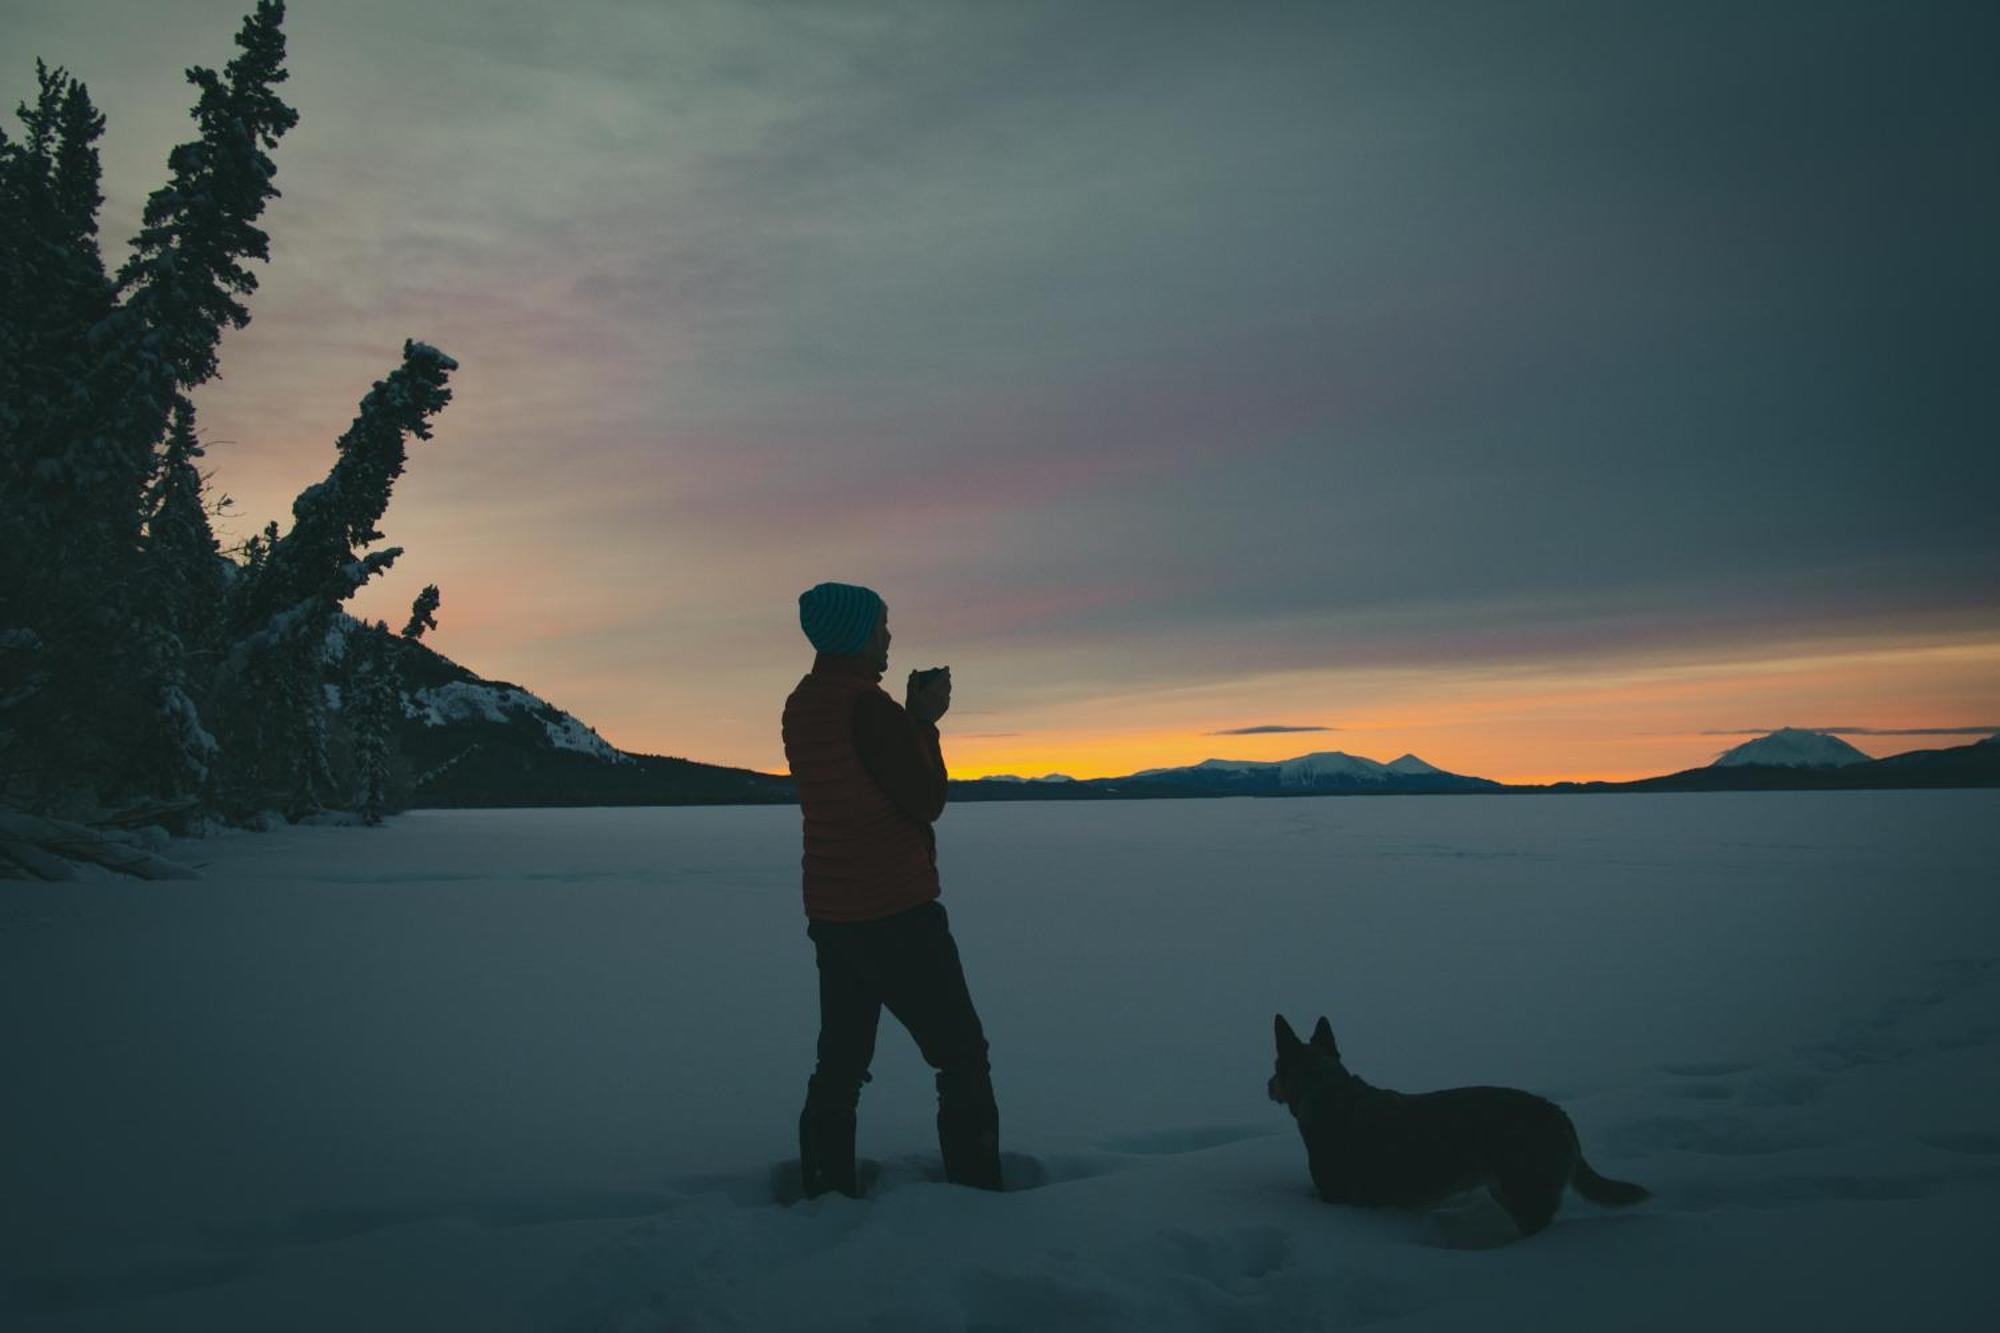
(1789, 747)
(506, 1070)
(482, 700)
(441, 693)
(469, 741)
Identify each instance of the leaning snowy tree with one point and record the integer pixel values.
(140, 669)
(274, 671)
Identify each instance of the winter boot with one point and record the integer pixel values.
(969, 1138)
(826, 1153)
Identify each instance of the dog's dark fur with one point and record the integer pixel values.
(1370, 1146)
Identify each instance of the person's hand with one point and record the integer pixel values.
(930, 698)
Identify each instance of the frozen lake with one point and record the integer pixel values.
(530, 1069)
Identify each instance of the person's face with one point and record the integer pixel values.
(877, 649)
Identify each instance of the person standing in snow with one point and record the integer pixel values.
(871, 781)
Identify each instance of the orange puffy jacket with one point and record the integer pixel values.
(864, 858)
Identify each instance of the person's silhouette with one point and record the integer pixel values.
(871, 780)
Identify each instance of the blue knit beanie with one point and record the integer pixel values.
(839, 618)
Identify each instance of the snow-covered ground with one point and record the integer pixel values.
(504, 1070)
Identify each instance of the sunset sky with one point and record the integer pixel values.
(1548, 389)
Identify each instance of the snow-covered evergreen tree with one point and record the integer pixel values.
(183, 577)
(288, 596)
(257, 546)
(94, 369)
(53, 290)
(423, 612)
(136, 660)
(179, 287)
(317, 564)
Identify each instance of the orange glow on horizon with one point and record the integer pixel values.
(665, 693)
(1613, 724)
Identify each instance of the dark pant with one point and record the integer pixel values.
(908, 964)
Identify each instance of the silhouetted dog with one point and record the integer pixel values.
(1370, 1146)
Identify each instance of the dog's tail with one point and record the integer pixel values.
(1603, 1189)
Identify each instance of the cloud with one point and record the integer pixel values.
(966, 298)
(1266, 729)
(1865, 731)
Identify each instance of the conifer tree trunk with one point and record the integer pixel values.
(370, 709)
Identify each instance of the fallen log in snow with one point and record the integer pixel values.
(37, 847)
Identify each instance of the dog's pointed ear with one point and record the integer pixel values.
(1288, 1040)
(1322, 1036)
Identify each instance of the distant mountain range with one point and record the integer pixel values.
(1321, 774)
(1788, 759)
(476, 742)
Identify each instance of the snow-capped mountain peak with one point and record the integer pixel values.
(1310, 768)
(1793, 747)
